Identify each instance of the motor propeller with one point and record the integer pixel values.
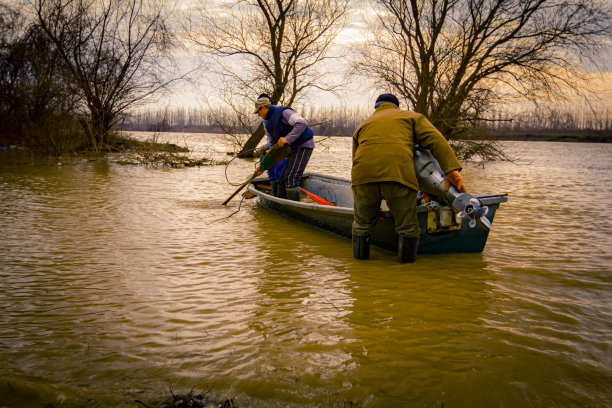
(471, 207)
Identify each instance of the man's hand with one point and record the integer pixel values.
(257, 172)
(261, 150)
(454, 179)
(282, 141)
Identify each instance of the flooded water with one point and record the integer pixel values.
(119, 282)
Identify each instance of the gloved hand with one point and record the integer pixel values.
(453, 178)
(260, 150)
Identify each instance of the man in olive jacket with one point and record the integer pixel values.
(383, 149)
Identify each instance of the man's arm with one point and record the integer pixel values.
(427, 136)
(299, 124)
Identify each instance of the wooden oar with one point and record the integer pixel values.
(239, 188)
(271, 159)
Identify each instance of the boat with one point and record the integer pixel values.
(450, 222)
(441, 232)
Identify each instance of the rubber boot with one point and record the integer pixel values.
(274, 185)
(281, 190)
(361, 246)
(293, 193)
(407, 248)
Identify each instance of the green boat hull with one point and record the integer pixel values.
(338, 219)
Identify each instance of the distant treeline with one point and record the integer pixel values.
(562, 123)
(543, 124)
(324, 121)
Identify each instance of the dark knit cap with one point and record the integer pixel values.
(387, 97)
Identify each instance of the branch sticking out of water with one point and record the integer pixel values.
(189, 400)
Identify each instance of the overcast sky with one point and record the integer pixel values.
(357, 93)
(354, 94)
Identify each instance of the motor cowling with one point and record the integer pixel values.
(431, 181)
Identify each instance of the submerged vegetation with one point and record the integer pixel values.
(152, 153)
(190, 400)
(165, 159)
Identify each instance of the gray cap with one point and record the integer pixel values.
(263, 101)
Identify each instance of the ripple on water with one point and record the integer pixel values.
(118, 278)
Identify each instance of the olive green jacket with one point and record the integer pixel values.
(383, 147)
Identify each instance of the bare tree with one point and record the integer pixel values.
(455, 60)
(274, 46)
(36, 105)
(113, 50)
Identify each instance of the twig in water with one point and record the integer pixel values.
(229, 397)
(329, 302)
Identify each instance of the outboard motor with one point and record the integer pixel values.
(431, 181)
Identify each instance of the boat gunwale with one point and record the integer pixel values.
(487, 199)
(299, 204)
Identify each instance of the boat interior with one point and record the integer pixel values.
(335, 190)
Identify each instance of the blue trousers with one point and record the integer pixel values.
(295, 166)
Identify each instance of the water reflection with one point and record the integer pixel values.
(414, 328)
(400, 334)
(298, 308)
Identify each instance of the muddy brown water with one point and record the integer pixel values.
(117, 282)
